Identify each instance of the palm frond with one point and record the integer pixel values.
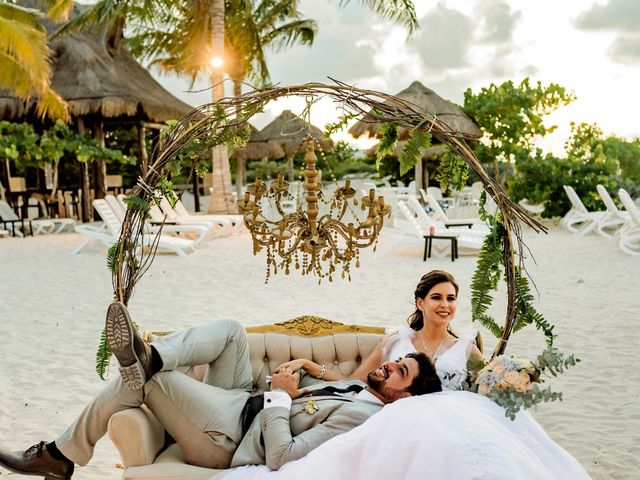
(401, 11)
(58, 10)
(299, 31)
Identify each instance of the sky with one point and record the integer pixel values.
(590, 47)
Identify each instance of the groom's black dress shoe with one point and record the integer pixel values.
(134, 354)
(37, 460)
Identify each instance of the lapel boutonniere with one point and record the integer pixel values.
(309, 408)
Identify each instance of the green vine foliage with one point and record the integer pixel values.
(453, 171)
(413, 149)
(136, 203)
(340, 125)
(387, 142)
(103, 356)
(526, 314)
(489, 269)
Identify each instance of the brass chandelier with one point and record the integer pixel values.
(315, 244)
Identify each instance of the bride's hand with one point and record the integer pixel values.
(294, 365)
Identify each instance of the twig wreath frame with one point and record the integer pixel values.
(226, 122)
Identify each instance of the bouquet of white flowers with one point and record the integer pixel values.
(514, 382)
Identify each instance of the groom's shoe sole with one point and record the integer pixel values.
(120, 337)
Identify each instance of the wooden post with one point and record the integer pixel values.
(99, 165)
(5, 185)
(290, 165)
(241, 171)
(418, 178)
(62, 210)
(142, 148)
(85, 203)
(195, 181)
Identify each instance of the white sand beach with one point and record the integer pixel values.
(52, 308)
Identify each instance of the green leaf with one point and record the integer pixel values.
(387, 142)
(103, 355)
(413, 149)
(112, 258)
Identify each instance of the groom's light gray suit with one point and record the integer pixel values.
(205, 417)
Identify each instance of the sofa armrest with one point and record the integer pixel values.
(137, 435)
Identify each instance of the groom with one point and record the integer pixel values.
(218, 423)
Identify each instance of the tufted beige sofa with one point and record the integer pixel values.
(140, 438)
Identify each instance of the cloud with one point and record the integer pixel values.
(330, 58)
(444, 39)
(621, 17)
(499, 21)
(337, 50)
(617, 15)
(626, 49)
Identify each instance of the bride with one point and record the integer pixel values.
(447, 435)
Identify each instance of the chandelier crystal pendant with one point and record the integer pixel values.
(315, 244)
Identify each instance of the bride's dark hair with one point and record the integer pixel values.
(427, 282)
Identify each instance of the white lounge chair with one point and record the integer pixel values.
(629, 241)
(441, 216)
(119, 208)
(436, 193)
(415, 227)
(613, 218)
(578, 219)
(237, 221)
(21, 227)
(221, 227)
(109, 232)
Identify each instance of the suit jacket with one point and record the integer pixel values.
(278, 436)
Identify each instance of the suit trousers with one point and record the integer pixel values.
(203, 417)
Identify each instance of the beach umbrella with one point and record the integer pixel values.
(425, 98)
(257, 148)
(290, 132)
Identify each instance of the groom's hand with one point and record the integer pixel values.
(285, 379)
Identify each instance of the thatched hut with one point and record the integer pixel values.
(428, 100)
(257, 148)
(104, 87)
(425, 98)
(290, 131)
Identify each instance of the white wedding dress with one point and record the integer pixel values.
(451, 435)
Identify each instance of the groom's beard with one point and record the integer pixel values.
(379, 384)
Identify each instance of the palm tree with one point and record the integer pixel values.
(194, 33)
(24, 54)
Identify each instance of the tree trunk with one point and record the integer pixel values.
(418, 178)
(221, 197)
(99, 165)
(241, 166)
(142, 148)
(5, 173)
(87, 210)
(290, 156)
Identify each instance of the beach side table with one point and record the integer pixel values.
(428, 241)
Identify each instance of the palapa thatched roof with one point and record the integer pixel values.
(97, 80)
(258, 147)
(290, 131)
(425, 98)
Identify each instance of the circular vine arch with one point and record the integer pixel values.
(226, 122)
